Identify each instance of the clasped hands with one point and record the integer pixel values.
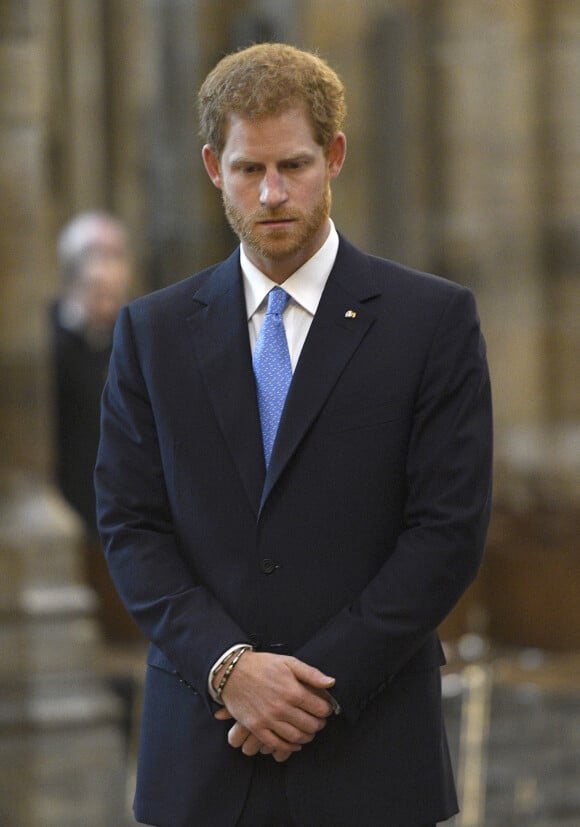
(278, 703)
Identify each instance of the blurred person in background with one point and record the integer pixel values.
(96, 265)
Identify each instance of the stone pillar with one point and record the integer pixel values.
(485, 202)
(506, 122)
(185, 225)
(82, 130)
(389, 50)
(131, 86)
(25, 255)
(559, 56)
(61, 749)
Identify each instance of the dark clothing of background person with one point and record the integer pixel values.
(95, 261)
(96, 264)
(80, 372)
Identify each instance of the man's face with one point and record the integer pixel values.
(103, 289)
(275, 183)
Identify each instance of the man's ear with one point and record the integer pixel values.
(336, 154)
(212, 165)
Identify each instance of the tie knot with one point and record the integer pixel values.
(277, 301)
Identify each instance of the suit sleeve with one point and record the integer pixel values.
(161, 591)
(439, 550)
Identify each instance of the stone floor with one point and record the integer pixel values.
(513, 719)
(514, 725)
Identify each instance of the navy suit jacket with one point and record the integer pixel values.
(347, 552)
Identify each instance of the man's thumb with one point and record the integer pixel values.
(313, 676)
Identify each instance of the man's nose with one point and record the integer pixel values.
(273, 191)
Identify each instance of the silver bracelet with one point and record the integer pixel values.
(230, 668)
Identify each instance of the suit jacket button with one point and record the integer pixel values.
(268, 566)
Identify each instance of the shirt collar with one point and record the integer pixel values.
(305, 286)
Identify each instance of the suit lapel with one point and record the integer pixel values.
(220, 339)
(339, 326)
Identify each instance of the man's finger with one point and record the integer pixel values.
(311, 676)
(251, 745)
(223, 715)
(238, 735)
(281, 755)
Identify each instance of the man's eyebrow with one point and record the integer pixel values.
(304, 155)
(243, 161)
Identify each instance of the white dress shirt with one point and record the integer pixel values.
(304, 287)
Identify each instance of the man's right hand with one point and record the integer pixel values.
(278, 703)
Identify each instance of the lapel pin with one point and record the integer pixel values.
(350, 314)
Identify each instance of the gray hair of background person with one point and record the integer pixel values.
(94, 232)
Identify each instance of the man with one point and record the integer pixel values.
(291, 574)
(95, 259)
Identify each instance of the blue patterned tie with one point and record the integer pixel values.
(272, 368)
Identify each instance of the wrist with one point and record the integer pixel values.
(224, 674)
(219, 668)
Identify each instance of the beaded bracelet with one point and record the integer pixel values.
(230, 668)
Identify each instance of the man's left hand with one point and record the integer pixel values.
(240, 737)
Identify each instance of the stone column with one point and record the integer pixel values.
(537, 527)
(82, 131)
(185, 224)
(559, 88)
(25, 254)
(61, 750)
(506, 121)
(484, 207)
(131, 83)
(485, 232)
